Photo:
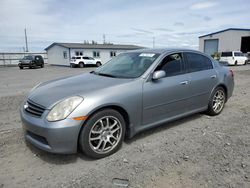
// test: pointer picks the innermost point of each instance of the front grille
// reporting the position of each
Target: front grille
(34, 109)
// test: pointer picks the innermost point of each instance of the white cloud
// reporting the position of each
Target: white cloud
(203, 5)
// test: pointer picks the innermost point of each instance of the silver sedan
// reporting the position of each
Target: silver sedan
(134, 91)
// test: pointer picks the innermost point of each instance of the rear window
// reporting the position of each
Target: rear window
(226, 54)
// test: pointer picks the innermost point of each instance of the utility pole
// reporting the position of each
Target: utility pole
(26, 41)
(153, 42)
(104, 38)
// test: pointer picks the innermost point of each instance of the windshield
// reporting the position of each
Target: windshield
(28, 57)
(127, 65)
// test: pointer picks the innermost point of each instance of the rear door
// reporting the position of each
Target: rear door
(203, 78)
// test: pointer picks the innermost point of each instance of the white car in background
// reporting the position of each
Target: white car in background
(248, 57)
(82, 61)
(234, 58)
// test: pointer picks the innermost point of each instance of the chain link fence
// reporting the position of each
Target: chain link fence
(12, 58)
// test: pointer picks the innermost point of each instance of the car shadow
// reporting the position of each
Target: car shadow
(58, 159)
(163, 127)
(61, 159)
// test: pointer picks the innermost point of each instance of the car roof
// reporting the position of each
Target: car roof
(164, 50)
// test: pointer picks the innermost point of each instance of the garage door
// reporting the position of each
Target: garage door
(211, 46)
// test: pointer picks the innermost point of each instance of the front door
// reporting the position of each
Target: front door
(168, 96)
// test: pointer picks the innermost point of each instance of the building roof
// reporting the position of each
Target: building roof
(235, 29)
(95, 46)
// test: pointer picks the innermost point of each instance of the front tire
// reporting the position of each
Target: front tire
(217, 101)
(20, 67)
(103, 134)
(81, 64)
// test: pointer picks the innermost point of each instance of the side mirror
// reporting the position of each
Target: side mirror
(158, 75)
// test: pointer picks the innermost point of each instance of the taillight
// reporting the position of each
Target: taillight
(231, 72)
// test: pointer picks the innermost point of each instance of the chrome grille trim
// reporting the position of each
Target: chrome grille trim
(34, 109)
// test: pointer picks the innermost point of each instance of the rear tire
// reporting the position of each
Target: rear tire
(216, 102)
(42, 65)
(102, 134)
(235, 63)
(81, 64)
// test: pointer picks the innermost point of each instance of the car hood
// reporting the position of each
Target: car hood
(49, 93)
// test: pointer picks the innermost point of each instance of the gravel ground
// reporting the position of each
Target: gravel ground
(197, 151)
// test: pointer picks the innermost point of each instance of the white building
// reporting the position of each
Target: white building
(61, 53)
(232, 39)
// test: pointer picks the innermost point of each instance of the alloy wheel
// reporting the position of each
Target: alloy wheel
(105, 134)
(218, 101)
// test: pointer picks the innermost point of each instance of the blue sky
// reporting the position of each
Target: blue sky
(172, 23)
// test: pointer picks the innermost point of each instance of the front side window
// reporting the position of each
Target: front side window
(127, 65)
(172, 64)
(238, 54)
(198, 62)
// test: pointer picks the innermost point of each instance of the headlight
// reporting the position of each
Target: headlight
(63, 109)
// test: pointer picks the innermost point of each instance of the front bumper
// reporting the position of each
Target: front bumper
(55, 137)
(26, 64)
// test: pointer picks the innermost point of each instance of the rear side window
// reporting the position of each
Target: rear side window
(226, 54)
(237, 54)
(78, 57)
(197, 62)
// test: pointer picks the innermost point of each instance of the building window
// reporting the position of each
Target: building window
(96, 54)
(78, 53)
(112, 54)
(65, 56)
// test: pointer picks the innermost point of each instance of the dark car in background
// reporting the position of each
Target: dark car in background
(31, 61)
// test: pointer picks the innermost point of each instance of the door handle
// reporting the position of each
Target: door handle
(213, 76)
(184, 82)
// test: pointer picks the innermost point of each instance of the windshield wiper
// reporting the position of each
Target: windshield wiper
(103, 74)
